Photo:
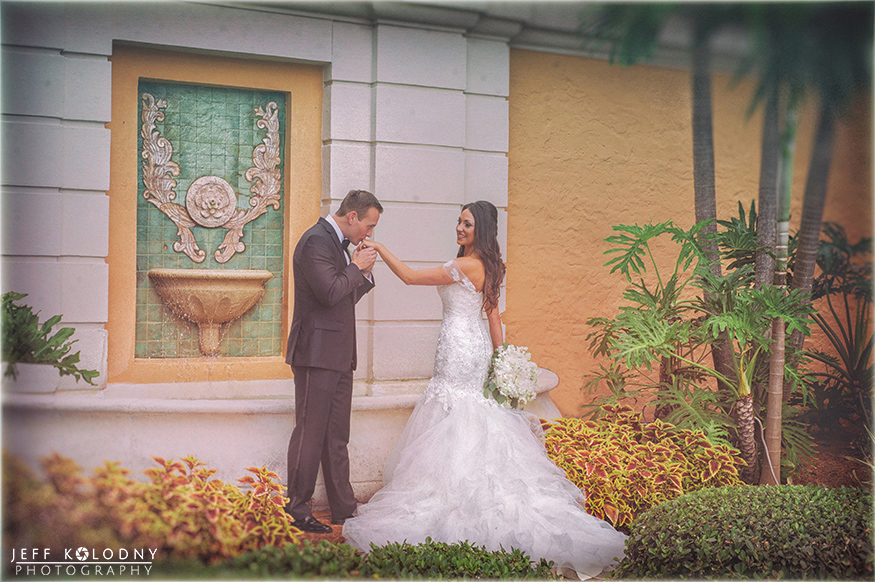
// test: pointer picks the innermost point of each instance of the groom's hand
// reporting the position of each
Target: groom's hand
(364, 257)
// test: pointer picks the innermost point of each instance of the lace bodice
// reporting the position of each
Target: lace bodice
(464, 346)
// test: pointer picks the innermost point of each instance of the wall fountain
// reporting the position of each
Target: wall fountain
(211, 128)
(211, 298)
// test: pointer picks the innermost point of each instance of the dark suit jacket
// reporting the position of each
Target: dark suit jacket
(326, 291)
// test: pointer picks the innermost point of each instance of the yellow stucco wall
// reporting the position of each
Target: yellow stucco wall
(594, 145)
(302, 187)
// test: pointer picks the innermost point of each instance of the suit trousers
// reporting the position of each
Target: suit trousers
(323, 401)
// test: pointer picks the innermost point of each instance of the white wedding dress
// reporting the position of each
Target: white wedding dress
(467, 469)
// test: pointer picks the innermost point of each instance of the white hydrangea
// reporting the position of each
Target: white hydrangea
(513, 377)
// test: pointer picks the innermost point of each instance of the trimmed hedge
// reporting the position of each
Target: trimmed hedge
(325, 560)
(798, 532)
(432, 560)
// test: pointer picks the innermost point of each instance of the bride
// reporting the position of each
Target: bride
(465, 468)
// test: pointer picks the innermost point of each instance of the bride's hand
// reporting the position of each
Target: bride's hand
(379, 247)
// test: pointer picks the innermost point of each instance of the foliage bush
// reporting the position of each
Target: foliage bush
(432, 560)
(426, 561)
(26, 341)
(322, 559)
(843, 388)
(656, 349)
(785, 531)
(207, 529)
(626, 466)
(181, 512)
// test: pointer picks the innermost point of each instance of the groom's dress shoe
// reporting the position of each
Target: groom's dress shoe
(312, 525)
(339, 520)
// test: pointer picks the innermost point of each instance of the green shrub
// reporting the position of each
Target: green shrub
(427, 561)
(432, 560)
(755, 532)
(626, 466)
(322, 559)
(26, 341)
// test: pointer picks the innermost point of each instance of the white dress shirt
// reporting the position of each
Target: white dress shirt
(339, 233)
(333, 223)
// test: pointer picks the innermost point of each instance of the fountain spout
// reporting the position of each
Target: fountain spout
(211, 298)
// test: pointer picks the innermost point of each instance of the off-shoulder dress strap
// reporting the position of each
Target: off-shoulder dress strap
(455, 272)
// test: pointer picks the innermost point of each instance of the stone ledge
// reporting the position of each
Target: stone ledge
(391, 396)
(91, 403)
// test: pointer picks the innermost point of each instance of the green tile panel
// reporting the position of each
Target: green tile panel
(213, 132)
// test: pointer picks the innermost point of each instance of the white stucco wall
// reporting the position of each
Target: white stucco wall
(418, 115)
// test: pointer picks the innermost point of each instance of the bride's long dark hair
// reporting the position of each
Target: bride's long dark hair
(486, 246)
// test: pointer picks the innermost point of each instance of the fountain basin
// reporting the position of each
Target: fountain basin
(210, 298)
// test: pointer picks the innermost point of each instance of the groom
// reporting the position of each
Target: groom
(322, 354)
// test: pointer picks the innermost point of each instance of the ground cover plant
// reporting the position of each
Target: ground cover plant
(625, 466)
(785, 531)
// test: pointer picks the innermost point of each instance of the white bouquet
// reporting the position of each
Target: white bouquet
(513, 377)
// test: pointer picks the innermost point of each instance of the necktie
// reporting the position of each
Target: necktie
(345, 244)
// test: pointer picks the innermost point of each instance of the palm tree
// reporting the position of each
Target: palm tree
(633, 32)
(797, 48)
(837, 59)
(819, 50)
(775, 32)
(706, 21)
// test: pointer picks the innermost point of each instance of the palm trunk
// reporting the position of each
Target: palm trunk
(745, 419)
(765, 267)
(812, 209)
(775, 401)
(703, 146)
(775, 404)
(768, 193)
(704, 184)
(747, 439)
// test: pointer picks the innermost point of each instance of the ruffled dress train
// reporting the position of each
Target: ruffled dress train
(467, 469)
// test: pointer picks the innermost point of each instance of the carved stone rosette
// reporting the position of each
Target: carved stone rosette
(210, 200)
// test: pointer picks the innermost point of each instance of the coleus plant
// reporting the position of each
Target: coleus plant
(182, 511)
(626, 466)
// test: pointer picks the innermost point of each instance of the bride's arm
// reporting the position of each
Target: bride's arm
(432, 276)
(495, 332)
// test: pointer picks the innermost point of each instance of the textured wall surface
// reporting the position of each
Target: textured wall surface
(594, 145)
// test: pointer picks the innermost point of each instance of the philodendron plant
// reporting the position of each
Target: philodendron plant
(27, 341)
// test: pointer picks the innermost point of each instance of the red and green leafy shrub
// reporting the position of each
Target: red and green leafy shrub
(54, 514)
(181, 512)
(626, 466)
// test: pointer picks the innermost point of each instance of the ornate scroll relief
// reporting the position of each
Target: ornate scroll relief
(159, 185)
(210, 201)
